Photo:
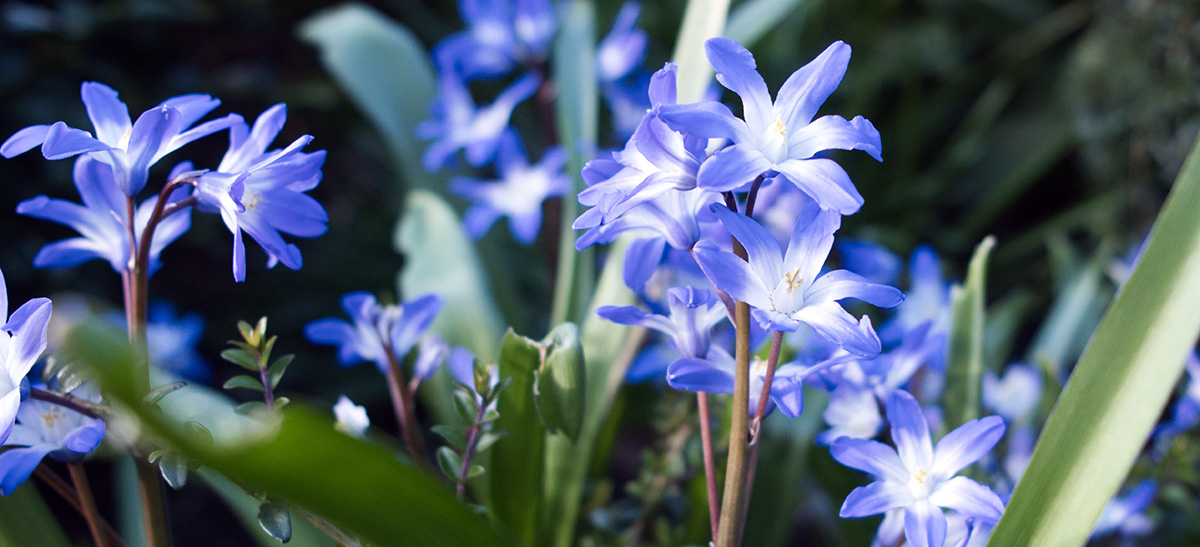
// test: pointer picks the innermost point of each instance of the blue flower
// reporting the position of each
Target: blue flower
(1016, 395)
(785, 290)
(498, 38)
(22, 342)
(261, 192)
(919, 477)
(694, 313)
(1123, 514)
(518, 193)
(458, 124)
(172, 341)
(715, 374)
(351, 419)
(130, 148)
(623, 48)
(778, 136)
(375, 330)
(102, 221)
(927, 301)
(46, 429)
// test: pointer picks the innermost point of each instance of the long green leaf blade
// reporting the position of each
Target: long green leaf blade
(965, 363)
(361, 488)
(1119, 386)
(515, 474)
(384, 70)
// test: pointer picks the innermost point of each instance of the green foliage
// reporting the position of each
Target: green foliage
(964, 366)
(360, 488)
(559, 383)
(1118, 388)
(515, 474)
(275, 520)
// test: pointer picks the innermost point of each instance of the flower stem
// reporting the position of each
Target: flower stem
(402, 403)
(88, 503)
(136, 282)
(710, 466)
(87, 408)
(68, 495)
(469, 452)
(734, 498)
(759, 415)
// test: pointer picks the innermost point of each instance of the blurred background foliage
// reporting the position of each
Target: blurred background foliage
(1056, 126)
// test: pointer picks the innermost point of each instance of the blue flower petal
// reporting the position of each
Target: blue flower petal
(731, 168)
(875, 498)
(17, 464)
(737, 71)
(699, 375)
(876, 458)
(834, 132)
(909, 431)
(967, 496)
(110, 116)
(825, 182)
(966, 445)
(840, 284)
(709, 119)
(641, 259)
(731, 274)
(806, 89)
(924, 524)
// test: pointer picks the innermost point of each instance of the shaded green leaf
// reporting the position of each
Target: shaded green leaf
(159, 392)
(240, 358)
(515, 483)
(1119, 387)
(453, 435)
(251, 408)
(358, 487)
(964, 366)
(559, 383)
(278, 368)
(174, 468)
(450, 462)
(244, 382)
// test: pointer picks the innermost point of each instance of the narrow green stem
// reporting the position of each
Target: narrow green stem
(710, 466)
(759, 415)
(736, 467)
(88, 504)
(68, 495)
(469, 451)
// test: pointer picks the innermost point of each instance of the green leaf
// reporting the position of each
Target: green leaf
(252, 408)
(248, 333)
(456, 436)
(1119, 387)
(702, 19)
(754, 19)
(441, 260)
(465, 405)
(281, 402)
(199, 432)
(964, 366)
(275, 520)
(515, 484)
(450, 462)
(278, 368)
(558, 386)
(577, 109)
(174, 469)
(473, 471)
(245, 508)
(358, 487)
(159, 392)
(384, 70)
(240, 358)
(244, 382)
(486, 440)
(26, 520)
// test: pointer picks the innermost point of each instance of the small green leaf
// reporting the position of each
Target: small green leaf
(487, 439)
(465, 405)
(244, 382)
(453, 435)
(275, 520)
(278, 368)
(240, 358)
(474, 471)
(154, 456)
(252, 408)
(965, 362)
(199, 432)
(450, 462)
(490, 416)
(265, 356)
(174, 468)
(159, 392)
(281, 402)
(247, 332)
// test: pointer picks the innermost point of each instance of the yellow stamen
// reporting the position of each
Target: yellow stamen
(793, 279)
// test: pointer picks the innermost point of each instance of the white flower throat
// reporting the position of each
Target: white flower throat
(775, 143)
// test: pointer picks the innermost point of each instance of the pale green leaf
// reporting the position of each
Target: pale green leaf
(964, 366)
(1119, 387)
(702, 19)
(752, 20)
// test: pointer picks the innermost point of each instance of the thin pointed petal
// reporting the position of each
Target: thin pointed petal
(966, 445)
(876, 458)
(110, 116)
(825, 182)
(731, 168)
(731, 274)
(737, 71)
(840, 284)
(924, 524)
(967, 496)
(909, 431)
(875, 498)
(806, 89)
(835, 133)
(710, 120)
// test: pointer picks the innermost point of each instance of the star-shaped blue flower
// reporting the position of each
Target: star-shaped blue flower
(129, 147)
(21, 343)
(918, 476)
(518, 193)
(781, 135)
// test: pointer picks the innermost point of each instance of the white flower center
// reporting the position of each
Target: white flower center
(51, 416)
(920, 484)
(250, 199)
(774, 141)
(124, 142)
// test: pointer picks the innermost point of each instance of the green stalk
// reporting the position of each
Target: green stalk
(737, 467)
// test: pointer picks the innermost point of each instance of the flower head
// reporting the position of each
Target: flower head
(777, 136)
(787, 289)
(102, 221)
(499, 37)
(261, 192)
(130, 148)
(518, 193)
(46, 429)
(458, 124)
(21, 343)
(918, 476)
(377, 333)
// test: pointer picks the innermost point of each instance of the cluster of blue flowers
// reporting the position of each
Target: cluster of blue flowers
(510, 42)
(694, 176)
(255, 189)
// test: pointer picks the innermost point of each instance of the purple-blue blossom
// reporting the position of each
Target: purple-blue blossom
(46, 429)
(500, 36)
(102, 221)
(778, 136)
(517, 195)
(130, 148)
(21, 344)
(787, 289)
(693, 314)
(262, 192)
(375, 332)
(458, 124)
(1015, 395)
(919, 477)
